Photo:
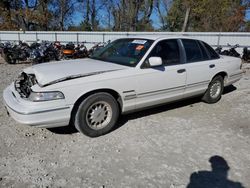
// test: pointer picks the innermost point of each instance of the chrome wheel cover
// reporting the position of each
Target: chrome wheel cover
(99, 115)
(215, 89)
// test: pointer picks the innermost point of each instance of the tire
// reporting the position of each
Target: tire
(214, 90)
(96, 115)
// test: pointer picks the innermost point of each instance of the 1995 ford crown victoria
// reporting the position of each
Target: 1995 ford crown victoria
(127, 75)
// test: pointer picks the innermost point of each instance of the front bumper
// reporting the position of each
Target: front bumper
(40, 114)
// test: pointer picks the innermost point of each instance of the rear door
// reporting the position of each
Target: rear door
(200, 67)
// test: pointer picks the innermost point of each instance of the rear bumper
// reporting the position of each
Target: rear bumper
(36, 113)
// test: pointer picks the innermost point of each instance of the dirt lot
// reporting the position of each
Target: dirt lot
(160, 147)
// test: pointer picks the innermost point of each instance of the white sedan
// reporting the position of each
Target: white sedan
(128, 74)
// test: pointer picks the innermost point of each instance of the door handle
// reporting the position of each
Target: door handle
(212, 66)
(181, 70)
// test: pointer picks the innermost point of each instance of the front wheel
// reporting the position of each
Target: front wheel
(97, 114)
(214, 90)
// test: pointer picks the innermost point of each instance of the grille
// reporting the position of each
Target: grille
(24, 83)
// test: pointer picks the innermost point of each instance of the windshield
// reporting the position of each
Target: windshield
(126, 52)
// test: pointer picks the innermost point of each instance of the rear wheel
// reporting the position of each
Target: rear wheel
(97, 115)
(215, 90)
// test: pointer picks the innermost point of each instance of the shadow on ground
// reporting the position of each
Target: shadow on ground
(70, 129)
(216, 178)
(229, 89)
(151, 111)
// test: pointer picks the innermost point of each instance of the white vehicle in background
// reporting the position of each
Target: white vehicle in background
(128, 74)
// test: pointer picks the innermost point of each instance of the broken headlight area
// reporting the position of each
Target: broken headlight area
(24, 83)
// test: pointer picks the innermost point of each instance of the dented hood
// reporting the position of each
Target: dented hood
(53, 72)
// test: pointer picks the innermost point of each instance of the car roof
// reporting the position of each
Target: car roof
(158, 37)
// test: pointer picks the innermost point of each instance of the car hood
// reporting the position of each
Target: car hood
(54, 72)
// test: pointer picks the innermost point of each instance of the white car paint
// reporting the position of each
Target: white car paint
(59, 70)
(138, 88)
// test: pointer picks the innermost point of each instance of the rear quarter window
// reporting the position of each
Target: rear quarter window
(203, 51)
(212, 53)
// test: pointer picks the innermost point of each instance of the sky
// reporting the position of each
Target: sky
(248, 14)
(78, 17)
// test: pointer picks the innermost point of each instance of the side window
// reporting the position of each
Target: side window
(203, 51)
(211, 51)
(193, 51)
(168, 50)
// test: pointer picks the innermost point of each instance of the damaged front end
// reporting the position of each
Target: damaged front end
(24, 83)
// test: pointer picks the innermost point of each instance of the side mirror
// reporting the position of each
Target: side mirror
(155, 61)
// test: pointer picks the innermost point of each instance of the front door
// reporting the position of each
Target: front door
(157, 85)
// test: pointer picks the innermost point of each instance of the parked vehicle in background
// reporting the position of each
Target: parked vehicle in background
(44, 52)
(98, 46)
(13, 53)
(72, 51)
(230, 52)
(127, 75)
(218, 50)
(58, 47)
(80, 51)
(246, 54)
(37, 52)
(68, 50)
(1, 48)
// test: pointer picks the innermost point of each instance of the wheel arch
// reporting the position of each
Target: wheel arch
(112, 92)
(223, 74)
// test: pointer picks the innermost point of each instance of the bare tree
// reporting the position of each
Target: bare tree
(162, 7)
(63, 10)
(45, 21)
(91, 10)
(108, 6)
(132, 15)
(147, 9)
(5, 14)
(28, 15)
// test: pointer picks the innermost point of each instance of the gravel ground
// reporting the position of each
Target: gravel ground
(160, 147)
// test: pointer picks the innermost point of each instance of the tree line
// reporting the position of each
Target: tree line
(125, 15)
